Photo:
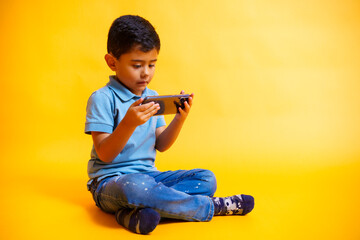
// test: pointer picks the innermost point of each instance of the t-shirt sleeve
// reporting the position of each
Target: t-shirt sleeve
(99, 114)
(160, 121)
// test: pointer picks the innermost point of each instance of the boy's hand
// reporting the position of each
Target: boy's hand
(184, 112)
(139, 114)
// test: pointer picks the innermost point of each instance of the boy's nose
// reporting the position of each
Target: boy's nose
(145, 72)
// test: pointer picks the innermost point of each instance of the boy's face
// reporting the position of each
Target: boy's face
(136, 68)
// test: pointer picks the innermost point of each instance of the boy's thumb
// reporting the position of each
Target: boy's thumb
(137, 102)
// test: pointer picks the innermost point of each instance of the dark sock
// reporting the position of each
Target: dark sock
(138, 220)
(234, 205)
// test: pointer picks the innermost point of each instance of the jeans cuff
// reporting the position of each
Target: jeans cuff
(212, 209)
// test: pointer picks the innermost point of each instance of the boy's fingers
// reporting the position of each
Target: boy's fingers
(190, 98)
(190, 101)
(150, 113)
(187, 106)
(151, 109)
(154, 111)
(137, 102)
(145, 106)
(181, 111)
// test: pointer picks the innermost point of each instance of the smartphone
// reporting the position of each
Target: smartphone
(169, 104)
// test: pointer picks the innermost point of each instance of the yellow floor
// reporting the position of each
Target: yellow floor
(317, 203)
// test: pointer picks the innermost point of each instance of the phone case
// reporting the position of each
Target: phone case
(169, 104)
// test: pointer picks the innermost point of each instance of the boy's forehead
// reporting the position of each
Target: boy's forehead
(137, 54)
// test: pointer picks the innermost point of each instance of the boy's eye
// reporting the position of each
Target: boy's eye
(136, 66)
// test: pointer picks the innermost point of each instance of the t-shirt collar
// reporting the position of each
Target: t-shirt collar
(123, 93)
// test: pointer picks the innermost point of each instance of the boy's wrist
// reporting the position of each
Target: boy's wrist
(179, 118)
(128, 124)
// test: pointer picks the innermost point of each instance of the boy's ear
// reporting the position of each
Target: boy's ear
(110, 60)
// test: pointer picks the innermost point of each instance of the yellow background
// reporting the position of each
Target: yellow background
(276, 113)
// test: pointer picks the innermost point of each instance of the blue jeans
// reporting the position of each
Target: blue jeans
(174, 194)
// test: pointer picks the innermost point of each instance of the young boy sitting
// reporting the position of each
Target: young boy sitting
(126, 135)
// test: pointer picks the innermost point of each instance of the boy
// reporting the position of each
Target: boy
(126, 135)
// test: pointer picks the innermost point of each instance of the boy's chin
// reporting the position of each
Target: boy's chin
(138, 91)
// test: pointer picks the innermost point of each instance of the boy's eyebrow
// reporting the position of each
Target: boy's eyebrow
(138, 60)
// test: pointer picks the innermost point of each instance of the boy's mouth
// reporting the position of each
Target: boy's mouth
(142, 83)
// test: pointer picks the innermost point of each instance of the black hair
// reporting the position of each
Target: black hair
(128, 31)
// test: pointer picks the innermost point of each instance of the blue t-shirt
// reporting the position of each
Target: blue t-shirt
(105, 109)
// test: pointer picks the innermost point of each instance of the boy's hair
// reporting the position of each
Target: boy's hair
(128, 31)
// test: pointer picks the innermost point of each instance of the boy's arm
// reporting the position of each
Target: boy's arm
(166, 136)
(107, 145)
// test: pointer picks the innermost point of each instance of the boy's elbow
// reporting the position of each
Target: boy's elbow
(105, 158)
(103, 155)
(161, 149)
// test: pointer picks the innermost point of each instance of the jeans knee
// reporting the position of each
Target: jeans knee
(122, 191)
(210, 179)
(135, 179)
(133, 183)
